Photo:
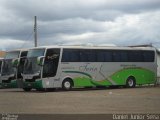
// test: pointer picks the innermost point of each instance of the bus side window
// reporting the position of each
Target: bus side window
(148, 56)
(108, 56)
(24, 53)
(136, 56)
(120, 56)
(83, 56)
(87, 55)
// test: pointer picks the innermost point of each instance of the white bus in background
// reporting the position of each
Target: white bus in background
(12, 67)
(89, 66)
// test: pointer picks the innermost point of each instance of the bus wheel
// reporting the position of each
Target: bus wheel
(27, 89)
(67, 84)
(131, 82)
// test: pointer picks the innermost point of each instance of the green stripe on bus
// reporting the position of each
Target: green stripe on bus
(87, 81)
(36, 84)
(84, 81)
(142, 76)
(14, 84)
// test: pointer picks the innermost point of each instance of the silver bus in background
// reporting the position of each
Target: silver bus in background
(12, 67)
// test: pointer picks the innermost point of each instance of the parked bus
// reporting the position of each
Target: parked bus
(85, 66)
(12, 67)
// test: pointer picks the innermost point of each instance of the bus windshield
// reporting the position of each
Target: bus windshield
(35, 52)
(12, 54)
(31, 66)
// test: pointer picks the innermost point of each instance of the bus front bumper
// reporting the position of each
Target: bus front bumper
(36, 84)
(11, 84)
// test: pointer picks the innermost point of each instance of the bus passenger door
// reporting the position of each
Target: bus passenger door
(50, 66)
(21, 68)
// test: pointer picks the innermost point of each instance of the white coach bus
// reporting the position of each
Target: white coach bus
(12, 67)
(89, 66)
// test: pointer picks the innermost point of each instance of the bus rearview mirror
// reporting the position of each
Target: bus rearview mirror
(15, 62)
(40, 60)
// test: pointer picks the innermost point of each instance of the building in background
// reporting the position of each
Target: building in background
(2, 53)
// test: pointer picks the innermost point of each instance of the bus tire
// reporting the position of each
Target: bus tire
(27, 89)
(131, 82)
(67, 84)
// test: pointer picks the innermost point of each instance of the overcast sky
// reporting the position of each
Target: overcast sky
(120, 22)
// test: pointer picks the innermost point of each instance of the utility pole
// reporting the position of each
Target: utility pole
(35, 31)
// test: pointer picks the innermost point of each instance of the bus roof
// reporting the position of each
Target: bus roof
(96, 47)
(18, 50)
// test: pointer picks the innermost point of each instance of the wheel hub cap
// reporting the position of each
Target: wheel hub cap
(67, 84)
